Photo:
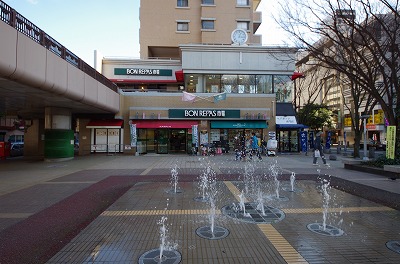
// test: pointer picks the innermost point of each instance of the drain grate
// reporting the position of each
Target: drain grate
(394, 245)
(328, 231)
(254, 214)
(219, 232)
(153, 256)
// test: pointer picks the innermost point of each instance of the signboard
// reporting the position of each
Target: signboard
(142, 71)
(133, 135)
(195, 135)
(303, 141)
(203, 113)
(281, 120)
(391, 141)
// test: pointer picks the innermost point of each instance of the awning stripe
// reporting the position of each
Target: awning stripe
(164, 123)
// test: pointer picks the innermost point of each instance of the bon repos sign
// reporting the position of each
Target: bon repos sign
(203, 113)
(142, 71)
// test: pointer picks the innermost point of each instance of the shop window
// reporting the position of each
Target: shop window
(213, 83)
(229, 83)
(264, 84)
(283, 88)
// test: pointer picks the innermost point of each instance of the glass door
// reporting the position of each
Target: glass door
(161, 141)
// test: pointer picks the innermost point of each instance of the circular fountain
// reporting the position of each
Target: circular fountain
(252, 213)
(153, 256)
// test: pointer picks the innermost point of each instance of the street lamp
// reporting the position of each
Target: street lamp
(364, 118)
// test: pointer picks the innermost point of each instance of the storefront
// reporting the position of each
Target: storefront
(106, 136)
(163, 136)
(287, 129)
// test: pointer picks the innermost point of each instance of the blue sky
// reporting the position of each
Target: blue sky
(109, 26)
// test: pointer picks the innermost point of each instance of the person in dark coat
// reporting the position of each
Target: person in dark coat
(318, 146)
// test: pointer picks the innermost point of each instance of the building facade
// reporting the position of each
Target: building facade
(212, 95)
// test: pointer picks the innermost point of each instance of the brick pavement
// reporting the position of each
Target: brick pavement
(128, 227)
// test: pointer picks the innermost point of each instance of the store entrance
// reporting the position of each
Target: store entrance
(288, 141)
(177, 141)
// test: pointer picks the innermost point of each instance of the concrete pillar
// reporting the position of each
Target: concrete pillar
(59, 137)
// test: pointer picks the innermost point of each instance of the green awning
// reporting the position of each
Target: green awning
(240, 124)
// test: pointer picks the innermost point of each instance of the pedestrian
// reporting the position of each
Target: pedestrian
(318, 149)
(255, 147)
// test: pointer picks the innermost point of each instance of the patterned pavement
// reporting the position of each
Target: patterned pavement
(107, 209)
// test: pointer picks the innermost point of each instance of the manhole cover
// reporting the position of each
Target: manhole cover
(201, 199)
(153, 256)
(219, 232)
(328, 231)
(394, 246)
(254, 213)
(173, 191)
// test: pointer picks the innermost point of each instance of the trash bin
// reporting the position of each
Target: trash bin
(371, 152)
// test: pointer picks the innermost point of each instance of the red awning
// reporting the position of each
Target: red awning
(179, 76)
(114, 123)
(297, 75)
(164, 123)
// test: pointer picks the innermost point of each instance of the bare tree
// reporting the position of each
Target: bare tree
(358, 39)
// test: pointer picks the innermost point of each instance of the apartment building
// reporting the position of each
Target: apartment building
(203, 78)
(164, 25)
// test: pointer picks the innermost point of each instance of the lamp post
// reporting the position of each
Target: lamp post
(364, 118)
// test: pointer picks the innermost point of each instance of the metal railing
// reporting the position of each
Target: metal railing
(23, 25)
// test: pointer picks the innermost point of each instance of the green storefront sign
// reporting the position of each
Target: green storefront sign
(142, 71)
(203, 113)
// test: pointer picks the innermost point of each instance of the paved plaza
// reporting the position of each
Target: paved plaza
(117, 208)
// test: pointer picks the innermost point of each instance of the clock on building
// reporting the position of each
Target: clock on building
(239, 36)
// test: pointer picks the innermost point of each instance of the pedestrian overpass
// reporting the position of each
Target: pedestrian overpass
(47, 86)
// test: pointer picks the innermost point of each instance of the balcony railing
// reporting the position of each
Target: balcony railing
(23, 25)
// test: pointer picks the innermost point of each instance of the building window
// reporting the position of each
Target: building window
(182, 3)
(207, 2)
(182, 26)
(243, 25)
(243, 2)
(207, 24)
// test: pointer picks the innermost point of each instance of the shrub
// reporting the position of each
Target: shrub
(382, 160)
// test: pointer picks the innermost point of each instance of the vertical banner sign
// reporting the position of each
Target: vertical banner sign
(133, 135)
(328, 140)
(311, 139)
(391, 141)
(303, 141)
(195, 135)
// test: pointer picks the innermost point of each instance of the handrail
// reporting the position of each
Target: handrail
(11, 17)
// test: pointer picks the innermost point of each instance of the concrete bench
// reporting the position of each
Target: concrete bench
(351, 161)
(392, 168)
